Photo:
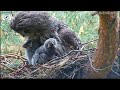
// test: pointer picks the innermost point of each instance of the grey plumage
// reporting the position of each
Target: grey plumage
(44, 53)
(48, 51)
(38, 26)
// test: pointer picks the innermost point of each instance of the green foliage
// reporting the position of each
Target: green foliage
(81, 22)
(8, 37)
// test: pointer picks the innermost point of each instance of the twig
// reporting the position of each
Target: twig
(66, 54)
(2, 57)
(18, 70)
(118, 66)
(74, 50)
(64, 74)
(115, 72)
(90, 41)
(34, 70)
(97, 69)
(94, 13)
(81, 49)
(27, 74)
(7, 67)
(12, 14)
(75, 72)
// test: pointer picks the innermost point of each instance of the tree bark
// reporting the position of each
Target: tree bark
(107, 45)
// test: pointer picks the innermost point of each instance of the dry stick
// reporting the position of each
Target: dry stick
(118, 66)
(80, 50)
(35, 70)
(115, 72)
(13, 56)
(27, 70)
(20, 57)
(74, 50)
(12, 14)
(7, 67)
(64, 73)
(73, 61)
(75, 72)
(100, 69)
(97, 69)
(46, 67)
(27, 74)
(9, 55)
(94, 13)
(70, 52)
(90, 41)
(67, 54)
(39, 68)
(18, 70)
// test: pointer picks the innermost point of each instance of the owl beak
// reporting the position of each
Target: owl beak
(50, 45)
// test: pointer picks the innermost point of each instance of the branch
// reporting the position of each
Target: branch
(94, 13)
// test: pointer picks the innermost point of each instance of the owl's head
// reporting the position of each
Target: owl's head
(50, 43)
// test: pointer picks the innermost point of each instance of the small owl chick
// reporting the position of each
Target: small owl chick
(47, 51)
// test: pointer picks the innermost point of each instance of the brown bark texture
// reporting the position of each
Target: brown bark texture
(107, 45)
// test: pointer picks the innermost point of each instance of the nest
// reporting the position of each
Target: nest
(73, 65)
(62, 67)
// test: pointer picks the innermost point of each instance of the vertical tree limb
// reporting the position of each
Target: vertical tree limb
(107, 45)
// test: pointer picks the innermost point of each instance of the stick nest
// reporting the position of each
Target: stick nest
(73, 65)
(62, 67)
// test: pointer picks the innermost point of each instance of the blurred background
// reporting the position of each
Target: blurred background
(82, 23)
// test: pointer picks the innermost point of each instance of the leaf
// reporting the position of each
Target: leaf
(81, 30)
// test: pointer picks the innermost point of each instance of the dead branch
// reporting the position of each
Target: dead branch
(51, 68)
(94, 13)
(7, 67)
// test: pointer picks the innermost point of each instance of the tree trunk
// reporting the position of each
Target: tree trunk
(107, 45)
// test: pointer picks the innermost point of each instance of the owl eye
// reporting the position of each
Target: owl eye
(26, 31)
(52, 31)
